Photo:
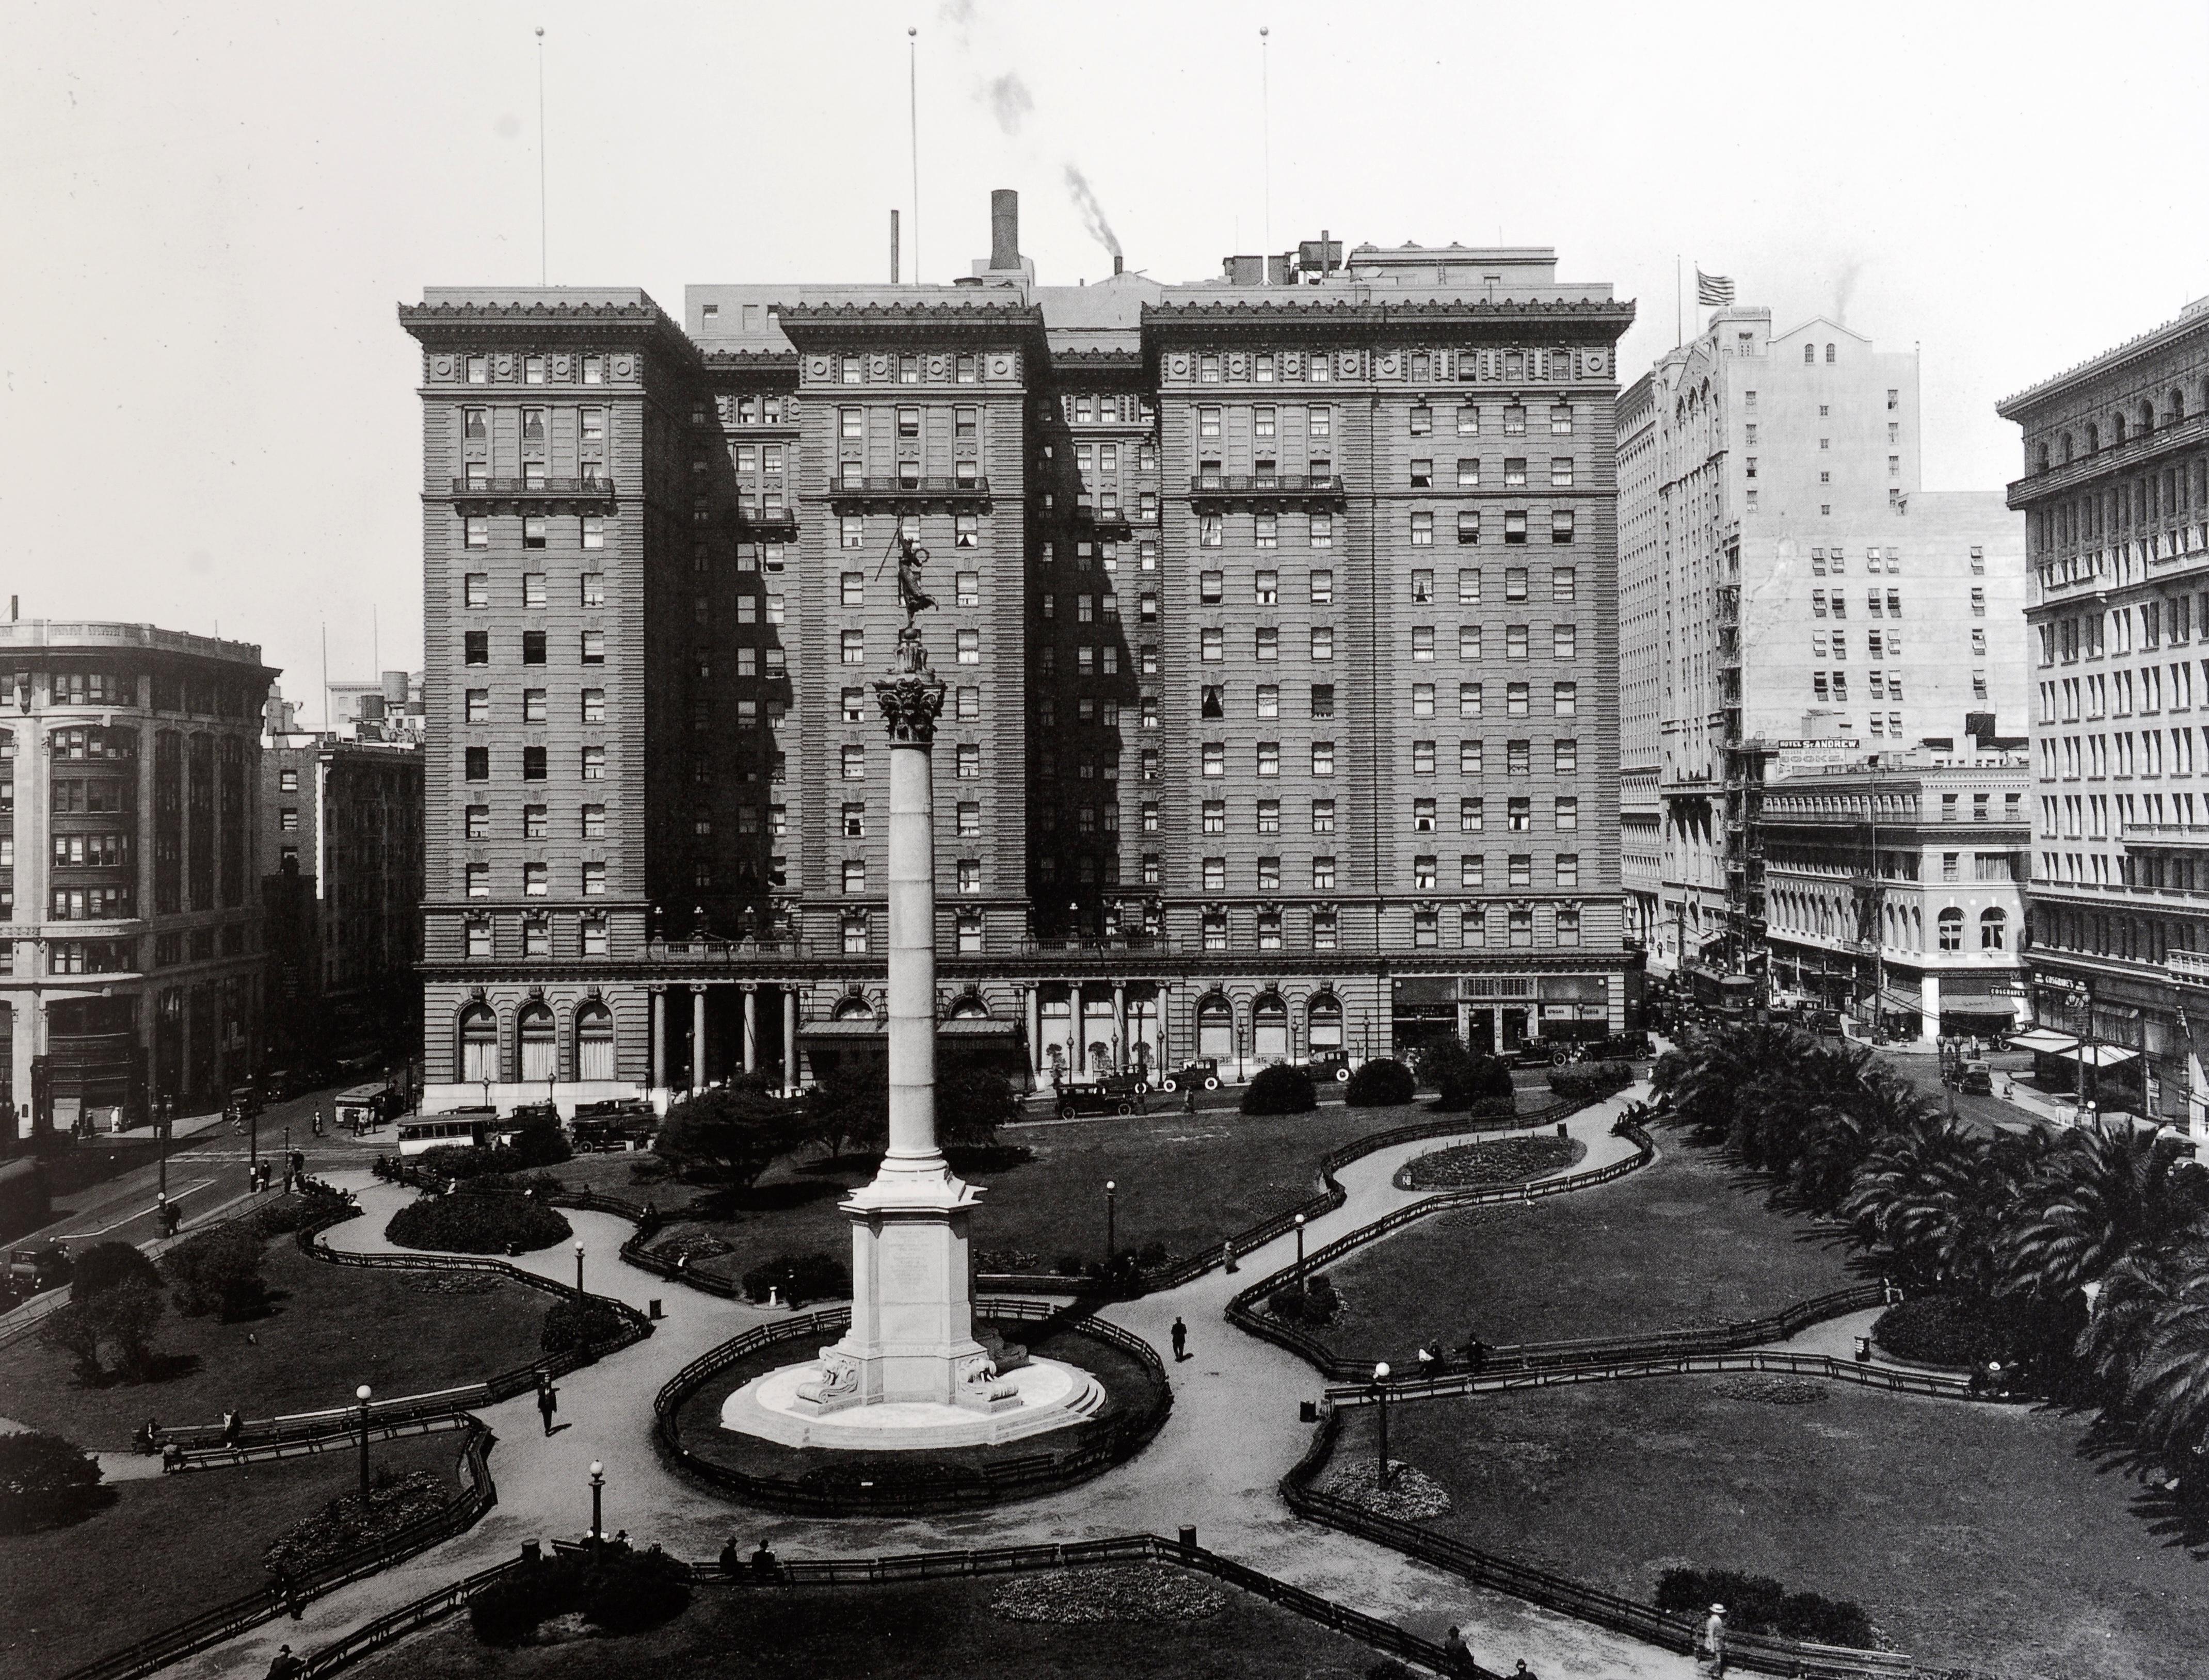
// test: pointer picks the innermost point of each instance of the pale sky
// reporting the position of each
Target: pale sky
(208, 410)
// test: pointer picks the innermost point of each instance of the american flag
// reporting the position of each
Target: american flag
(1713, 291)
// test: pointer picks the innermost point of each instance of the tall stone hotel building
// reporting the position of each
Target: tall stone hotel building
(1787, 587)
(1277, 611)
(129, 893)
(2116, 495)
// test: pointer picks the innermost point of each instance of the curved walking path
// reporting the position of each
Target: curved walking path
(1233, 1434)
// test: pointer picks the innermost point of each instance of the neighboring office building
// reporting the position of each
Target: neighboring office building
(1242, 759)
(341, 826)
(2116, 497)
(129, 926)
(1784, 579)
(1935, 931)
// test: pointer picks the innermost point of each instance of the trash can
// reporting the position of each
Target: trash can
(531, 1551)
(652, 1308)
(1561, 1129)
(1307, 1411)
(1863, 1350)
(1188, 1537)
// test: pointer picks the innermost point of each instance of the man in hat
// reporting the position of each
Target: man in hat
(1713, 1641)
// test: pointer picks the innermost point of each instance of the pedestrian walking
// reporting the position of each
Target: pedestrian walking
(285, 1665)
(1227, 1255)
(1180, 1341)
(1430, 1358)
(1455, 1649)
(1523, 1672)
(548, 1401)
(1713, 1640)
(1189, 1102)
(233, 1429)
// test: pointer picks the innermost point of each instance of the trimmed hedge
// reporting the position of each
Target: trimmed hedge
(103, 1265)
(1758, 1603)
(801, 1278)
(217, 1270)
(1281, 1089)
(1316, 1304)
(476, 1225)
(1590, 1082)
(1381, 1083)
(621, 1591)
(1956, 1331)
(568, 1326)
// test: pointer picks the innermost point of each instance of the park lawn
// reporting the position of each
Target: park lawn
(1976, 1536)
(1186, 1182)
(917, 1631)
(1681, 1244)
(168, 1549)
(332, 1328)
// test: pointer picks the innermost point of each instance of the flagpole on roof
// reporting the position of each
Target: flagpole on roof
(1679, 333)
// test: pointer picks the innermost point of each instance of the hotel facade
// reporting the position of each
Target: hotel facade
(1278, 613)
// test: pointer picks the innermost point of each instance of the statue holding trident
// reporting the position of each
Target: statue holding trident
(911, 657)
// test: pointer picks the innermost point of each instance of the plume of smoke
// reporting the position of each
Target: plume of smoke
(1845, 287)
(1008, 99)
(959, 14)
(1093, 212)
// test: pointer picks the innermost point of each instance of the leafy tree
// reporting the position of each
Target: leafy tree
(851, 1109)
(217, 1270)
(110, 1334)
(1460, 1077)
(1380, 1083)
(969, 1108)
(730, 1134)
(1282, 1089)
(103, 1265)
(44, 1481)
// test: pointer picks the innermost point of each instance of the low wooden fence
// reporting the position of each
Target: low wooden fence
(801, 1573)
(1243, 1311)
(1891, 1379)
(172, 1645)
(832, 1491)
(1766, 1655)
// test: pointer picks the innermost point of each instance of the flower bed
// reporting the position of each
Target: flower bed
(1145, 1593)
(1507, 1161)
(477, 1224)
(1411, 1496)
(344, 1526)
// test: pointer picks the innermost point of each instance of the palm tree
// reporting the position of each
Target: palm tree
(2097, 1197)
(1931, 1198)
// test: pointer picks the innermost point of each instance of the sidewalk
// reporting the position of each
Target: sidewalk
(1232, 1435)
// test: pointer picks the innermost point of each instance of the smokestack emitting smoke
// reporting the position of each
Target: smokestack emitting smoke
(1004, 228)
(1845, 288)
(1008, 99)
(1092, 213)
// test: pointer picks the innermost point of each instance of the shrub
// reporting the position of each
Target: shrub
(109, 1332)
(731, 1135)
(516, 1184)
(538, 1143)
(44, 1482)
(971, 1106)
(476, 1225)
(218, 1271)
(1590, 1082)
(622, 1592)
(1460, 1075)
(1316, 1304)
(570, 1327)
(103, 1265)
(1758, 1603)
(1381, 1083)
(801, 1278)
(1948, 1330)
(1280, 1089)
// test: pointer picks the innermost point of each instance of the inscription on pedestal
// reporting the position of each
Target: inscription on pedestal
(904, 1260)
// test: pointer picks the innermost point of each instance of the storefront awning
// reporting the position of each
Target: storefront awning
(1980, 1004)
(863, 1027)
(857, 1027)
(2098, 1055)
(2043, 1041)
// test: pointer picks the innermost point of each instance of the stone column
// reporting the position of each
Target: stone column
(1120, 1026)
(1035, 1036)
(697, 1038)
(911, 705)
(1076, 1050)
(1928, 1007)
(659, 1072)
(751, 1026)
(1162, 1062)
(790, 1041)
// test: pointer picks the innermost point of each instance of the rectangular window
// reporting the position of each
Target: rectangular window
(594, 647)
(1468, 525)
(1268, 642)
(854, 644)
(1322, 642)
(1422, 816)
(1423, 530)
(1564, 638)
(970, 760)
(1322, 758)
(1423, 757)
(1560, 525)
(594, 764)
(478, 764)
(1423, 643)
(1269, 758)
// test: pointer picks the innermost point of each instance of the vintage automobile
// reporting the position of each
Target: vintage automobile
(1100, 1097)
(1201, 1075)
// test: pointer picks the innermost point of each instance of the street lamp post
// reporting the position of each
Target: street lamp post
(164, 1112)
(1300, 1254)
(361, 1394)
(1381, 1392)
(578, 1272)
(1112, 1222)
(598, 1490)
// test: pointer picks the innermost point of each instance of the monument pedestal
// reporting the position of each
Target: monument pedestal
(912, 1310)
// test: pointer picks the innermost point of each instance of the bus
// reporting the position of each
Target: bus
(460, 1128)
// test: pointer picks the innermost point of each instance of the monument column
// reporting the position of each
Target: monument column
(658, 1038)
(1077, 1048)
(697, 1039)
(1035, 1036)
(1119, 1026)
(751, 1026)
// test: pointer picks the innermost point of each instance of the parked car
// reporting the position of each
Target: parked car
(1976, 1078)
(1097, 1097)
(614, 1125)
(1202, 1074)
(1538, 1052)
(1330, 1065)
(1133, 1080)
